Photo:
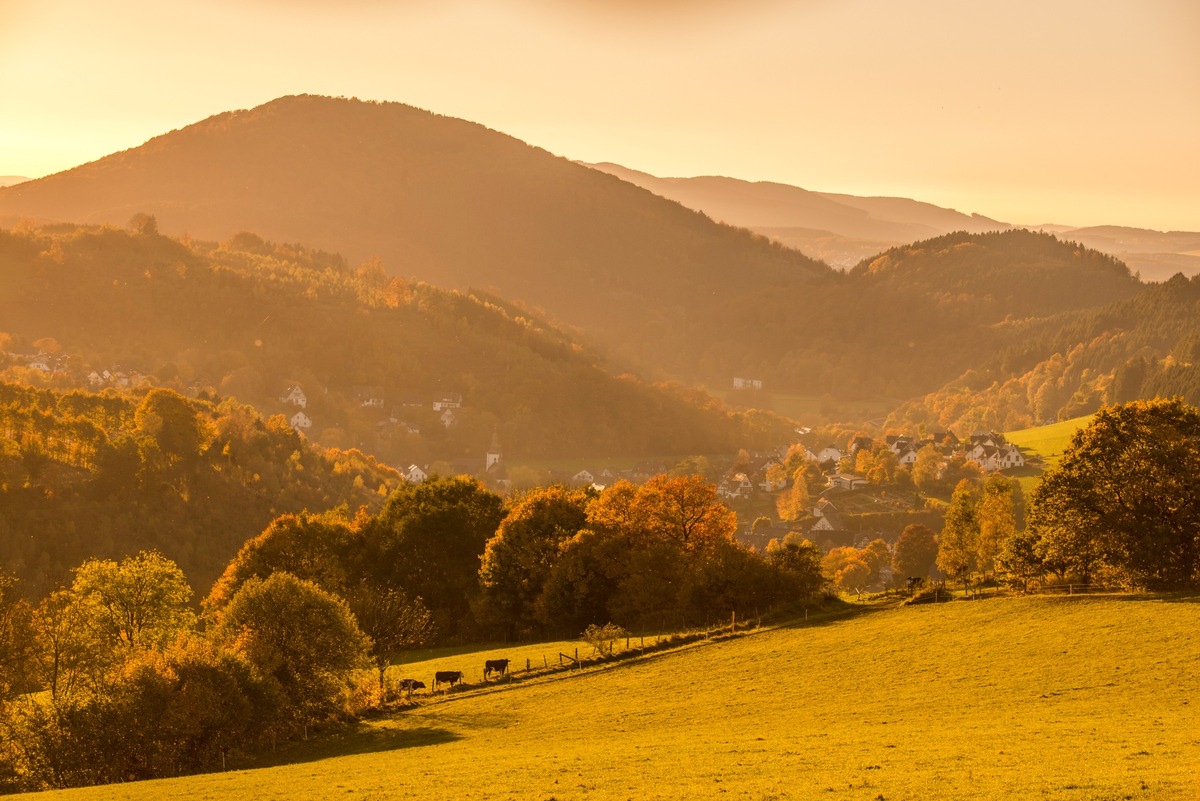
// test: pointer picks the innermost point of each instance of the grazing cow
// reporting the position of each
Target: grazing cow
(408, 685)
(450, 677)
(495, 666)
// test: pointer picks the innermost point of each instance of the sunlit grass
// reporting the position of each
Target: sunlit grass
(1048, 698)
(1046, 445)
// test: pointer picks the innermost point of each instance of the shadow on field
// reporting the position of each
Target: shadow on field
(356, 739)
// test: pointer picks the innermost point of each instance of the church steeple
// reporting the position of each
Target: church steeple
(494, 456)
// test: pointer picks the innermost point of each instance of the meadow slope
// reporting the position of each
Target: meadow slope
(1065, 698)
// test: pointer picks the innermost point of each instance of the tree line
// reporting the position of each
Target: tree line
(117, 676)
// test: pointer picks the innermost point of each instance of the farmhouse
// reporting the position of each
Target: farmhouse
(294, 395)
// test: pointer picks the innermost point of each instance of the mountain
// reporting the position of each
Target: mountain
(1156, 255)
(438, 199)
(841, 229)
(11, 180)
(249, 318)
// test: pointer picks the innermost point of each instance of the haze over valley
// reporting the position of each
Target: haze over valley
(380, 416)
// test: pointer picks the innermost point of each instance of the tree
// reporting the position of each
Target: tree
(846, 569)
(1019, 559)
(793, 503)
(927, 469)
(319, 548)
(997, 519)
(916, 551)
(301, 637)
(18, 639)
(519, 558)
(174, 423)
(428, 541)
(142, 602)
(958, 547)
(1125, 496)
(685, 509)
(394, 622)
(876, 555)
(800, 563)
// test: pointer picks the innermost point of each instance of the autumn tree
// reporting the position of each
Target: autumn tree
(958, 546)
(303, 638)
(915, 552)
(927, 469)
(395, 623)
(142, 601)
(793, 503)
(997, 519)
(1125, 496)
(518, 559)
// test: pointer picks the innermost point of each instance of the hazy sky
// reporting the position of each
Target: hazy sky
(1079, 112)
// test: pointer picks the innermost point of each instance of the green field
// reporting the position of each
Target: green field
(1045, 444)
(1038, 698)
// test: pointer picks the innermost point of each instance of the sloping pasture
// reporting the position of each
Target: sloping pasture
(1040, 698)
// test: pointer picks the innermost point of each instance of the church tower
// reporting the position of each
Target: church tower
(493, 455)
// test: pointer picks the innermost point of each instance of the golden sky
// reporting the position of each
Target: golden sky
(1075, 111)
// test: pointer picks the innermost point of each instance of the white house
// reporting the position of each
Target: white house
(369, 396)
(447, 417)
(452, 400)
(294, 395)
(747, 383)
(829, 453)
(583, 478)
(415, 475)
(301, 421)
(847, 481)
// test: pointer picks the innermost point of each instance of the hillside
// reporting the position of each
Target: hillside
(437, 199)
(249, 318)
(86, 475)
(990, 700)
(1062, 366)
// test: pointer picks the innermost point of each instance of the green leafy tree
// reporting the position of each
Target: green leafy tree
(304, 639)
(428, 541)
(519, 558)
(1125, 496)
(143, 601)
(320, 548)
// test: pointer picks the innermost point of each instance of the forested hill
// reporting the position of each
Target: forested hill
(438, 199)
(86, 475)
(998, 275)
(249, 318)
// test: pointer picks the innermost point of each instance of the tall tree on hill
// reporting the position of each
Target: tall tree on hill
(1125, 493)
(143, 601)
(958, 546)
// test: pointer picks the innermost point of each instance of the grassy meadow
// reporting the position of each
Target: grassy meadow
(1031, 698)
(1046, 444)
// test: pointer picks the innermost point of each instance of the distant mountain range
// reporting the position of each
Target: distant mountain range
(655, 285)
(842, 230)
(11, 180)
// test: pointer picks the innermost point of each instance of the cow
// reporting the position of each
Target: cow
(450, 677)
(495, 666)
(408, 685)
